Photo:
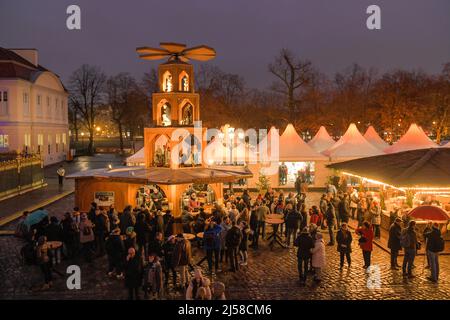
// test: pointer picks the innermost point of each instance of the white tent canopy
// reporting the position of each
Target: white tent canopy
(321, 141)
(372, 136)
(352, 145)
(414, 138)
(293, 148)
(137, 158)
(264, 145)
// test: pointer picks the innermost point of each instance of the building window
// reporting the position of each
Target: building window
(186, 114)
(39, 106)
(49, 144)
(57, 142)
(64, 142)
(4, 141)
(26, 105)
(3, 103)
(40, 141)
(27, 142)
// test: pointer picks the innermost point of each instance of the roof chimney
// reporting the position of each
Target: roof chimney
(31, 55)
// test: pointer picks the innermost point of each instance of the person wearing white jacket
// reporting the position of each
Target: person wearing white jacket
(318, 257)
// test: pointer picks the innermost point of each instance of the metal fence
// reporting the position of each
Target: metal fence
(20, 175)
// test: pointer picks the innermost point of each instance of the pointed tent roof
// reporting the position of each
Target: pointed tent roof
(321, 141)
(265, 155)
(138, 157)
(372, 136)
(414, 138)
(352, 145)
(293, 148)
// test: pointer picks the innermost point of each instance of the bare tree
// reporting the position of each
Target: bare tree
(120, 90)
(86, 86)
(291, 74)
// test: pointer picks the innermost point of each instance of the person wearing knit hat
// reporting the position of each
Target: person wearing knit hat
(115, 250)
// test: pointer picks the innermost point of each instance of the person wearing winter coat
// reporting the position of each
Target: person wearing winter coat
(43, 260)
(53, 232)
(435, 244)
(318, 257)
(354, 200)
(70, 235)
(181, 258)
(344, 209)
(330, 217)
(143, 231)
(366, 242)
(86, 237)
(344, 244)
(233, 239)
(293, 220)
(168, 248)
(168, 224)
(305, 243)
(101, 229)
(197, 282)
(243, 246)
(218, 291)
(113, 217)
(130, 239)
(361, 211)
(127, 219)
(211, 243)
(115, 250)
(410, 248)
(133, 274)
(261, 213)
(156, 245)
(375, 213)
(395, 231)
(153, 278)
(225, 225)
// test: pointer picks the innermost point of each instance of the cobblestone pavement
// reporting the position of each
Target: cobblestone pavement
(269, 275)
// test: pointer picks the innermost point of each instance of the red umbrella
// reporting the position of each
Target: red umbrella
(429, 213)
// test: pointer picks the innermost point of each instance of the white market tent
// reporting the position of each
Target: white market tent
(293, 148)
(372, 136)
(264, 145)
(415, 138)
(136, 159)
(244, 153)
(352, 145)
(321, 141)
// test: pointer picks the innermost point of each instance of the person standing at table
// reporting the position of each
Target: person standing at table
(43, 260)
(261, 214)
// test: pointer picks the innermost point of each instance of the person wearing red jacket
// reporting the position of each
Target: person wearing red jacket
(366, 242)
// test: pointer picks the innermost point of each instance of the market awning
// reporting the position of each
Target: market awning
(167, 176)
(423, 168)
(429, 213)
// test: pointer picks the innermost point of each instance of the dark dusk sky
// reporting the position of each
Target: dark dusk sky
(246, 34)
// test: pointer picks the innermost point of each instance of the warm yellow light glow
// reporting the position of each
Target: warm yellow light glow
(364, 179)
(98, 129)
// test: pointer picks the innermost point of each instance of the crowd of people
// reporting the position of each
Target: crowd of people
(143, 249)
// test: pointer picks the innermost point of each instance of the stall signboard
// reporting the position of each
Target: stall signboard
(104, 198)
